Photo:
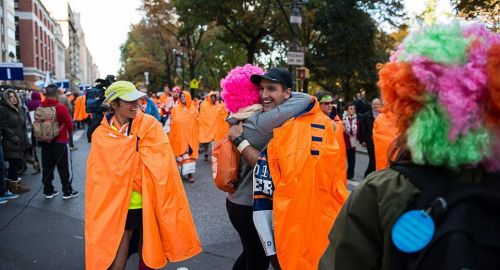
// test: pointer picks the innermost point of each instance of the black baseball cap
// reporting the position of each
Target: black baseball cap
(279, 75)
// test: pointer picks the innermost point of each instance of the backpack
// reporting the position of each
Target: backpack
(45, 126)
(225, 165)
(467, 221)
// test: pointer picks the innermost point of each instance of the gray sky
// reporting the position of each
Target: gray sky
(106, 24)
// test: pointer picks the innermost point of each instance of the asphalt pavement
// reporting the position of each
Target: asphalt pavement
(38, 233)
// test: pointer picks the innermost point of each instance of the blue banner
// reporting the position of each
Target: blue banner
(11, 71)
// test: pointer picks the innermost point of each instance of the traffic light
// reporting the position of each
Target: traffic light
(302, 73)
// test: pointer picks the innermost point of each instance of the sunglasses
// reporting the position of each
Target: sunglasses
(327, 103)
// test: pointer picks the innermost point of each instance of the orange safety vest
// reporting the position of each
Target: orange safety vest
(308, 194)
(384, 133)
(79, 113)
(339, 135)
(117, 162)
(184, 129)
(222, 125)
(208, 119)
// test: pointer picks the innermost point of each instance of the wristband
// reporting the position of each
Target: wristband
(243, 145)
(238, 140)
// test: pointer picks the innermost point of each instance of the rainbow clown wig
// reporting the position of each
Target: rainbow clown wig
(443, 85)
(237, 89)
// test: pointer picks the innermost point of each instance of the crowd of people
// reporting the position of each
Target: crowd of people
(17, 118)
(430, 196)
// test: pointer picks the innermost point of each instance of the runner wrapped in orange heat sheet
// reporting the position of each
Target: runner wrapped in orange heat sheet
(136, 162)
(222, 125)
(208, 118)
(384, 133)
(79, 113)
(184, 134)
(339, 135)
(308, 195)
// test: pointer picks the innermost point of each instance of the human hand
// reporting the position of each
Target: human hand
(235, 131)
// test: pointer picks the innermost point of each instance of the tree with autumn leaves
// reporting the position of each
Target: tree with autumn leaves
(342, 40)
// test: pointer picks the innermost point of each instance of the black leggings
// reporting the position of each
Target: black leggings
(253, 256)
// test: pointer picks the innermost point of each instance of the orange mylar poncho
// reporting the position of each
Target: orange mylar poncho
(222, 125)
(308, 194)
(384, 132)
(208, 119)
(79, 113)
(184, 127)
(341, 166)
(143, 160)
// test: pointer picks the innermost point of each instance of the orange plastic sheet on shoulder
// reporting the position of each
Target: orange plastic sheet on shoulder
(184, 130)
(208, 121)
(79, 113)
(168, 227)
(384, 133)
(308, 193)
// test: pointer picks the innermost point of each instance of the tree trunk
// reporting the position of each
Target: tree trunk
(251, 51)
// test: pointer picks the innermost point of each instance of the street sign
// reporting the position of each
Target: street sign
(295, 58)
(11, 71)
(296, 19)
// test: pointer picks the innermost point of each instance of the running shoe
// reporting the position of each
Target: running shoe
(9, 196)
(51, 195)
(70, 195)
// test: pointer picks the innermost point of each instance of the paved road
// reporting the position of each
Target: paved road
(48, 234)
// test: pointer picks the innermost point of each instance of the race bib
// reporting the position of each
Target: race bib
(263, 190)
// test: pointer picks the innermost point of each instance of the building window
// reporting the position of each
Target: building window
(11, 48)
(10, 17)
(11, 33)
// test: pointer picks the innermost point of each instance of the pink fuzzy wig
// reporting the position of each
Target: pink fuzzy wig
(237, 89)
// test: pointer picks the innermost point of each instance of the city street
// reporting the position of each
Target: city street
(37, 233)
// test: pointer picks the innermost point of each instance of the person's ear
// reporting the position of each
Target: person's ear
(288, 93)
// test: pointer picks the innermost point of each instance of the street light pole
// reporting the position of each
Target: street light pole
(294, 56)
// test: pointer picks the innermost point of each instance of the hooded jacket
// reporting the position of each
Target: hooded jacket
(63, 117)
(143, 161)
(308, 194)
(184, 127)
(13, 125)
(208, 119)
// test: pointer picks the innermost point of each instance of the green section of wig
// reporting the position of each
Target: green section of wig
(443, 44)
(429, 144)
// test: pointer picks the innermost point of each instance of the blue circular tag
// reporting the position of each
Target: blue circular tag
(413, 231)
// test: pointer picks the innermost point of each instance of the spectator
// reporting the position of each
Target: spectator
(5, 194)
(56, 153)
(360, 103)
(366, 133)
(15, 138)
(351, 132)
(437, 206)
